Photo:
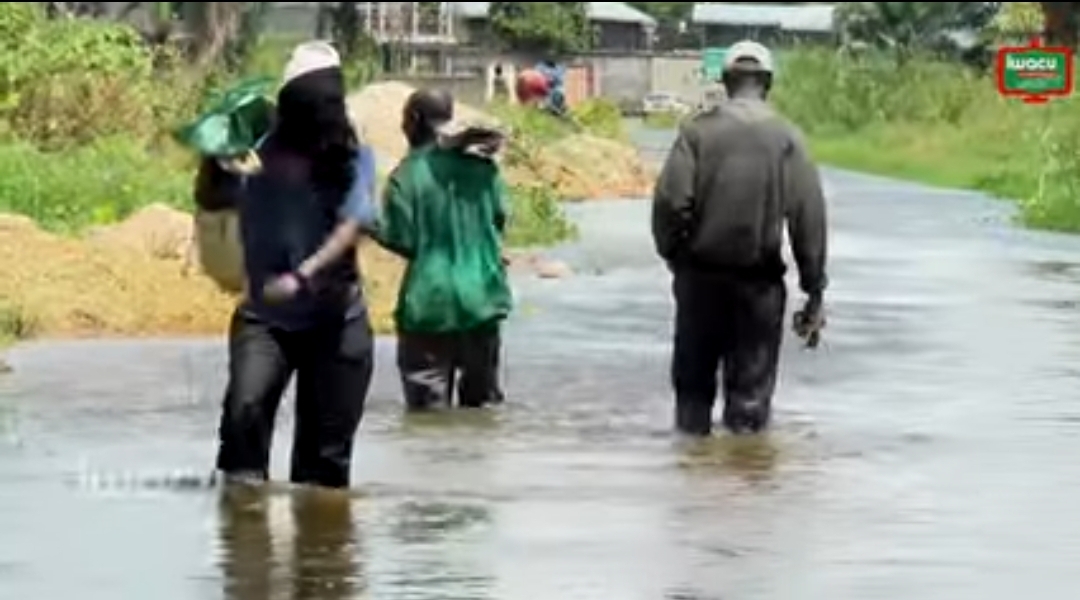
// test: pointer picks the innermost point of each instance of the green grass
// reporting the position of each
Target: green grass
(99, 183)
(940, 124)
(15, 325)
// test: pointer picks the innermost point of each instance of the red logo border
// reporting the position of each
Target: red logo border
(1028, 97)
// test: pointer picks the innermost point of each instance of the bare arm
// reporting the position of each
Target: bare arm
(673, 197)
(807, 219)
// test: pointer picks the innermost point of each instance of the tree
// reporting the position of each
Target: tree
(1016, 22)
(906, 27)
(544, 28)
(1061, 23)
(672, 20)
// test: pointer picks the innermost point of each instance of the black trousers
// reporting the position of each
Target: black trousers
(333, 366)
(727, 323)
(430, 364)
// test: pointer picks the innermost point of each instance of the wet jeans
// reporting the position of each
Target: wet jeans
(333, 366)
(430, 363)
(731, 324)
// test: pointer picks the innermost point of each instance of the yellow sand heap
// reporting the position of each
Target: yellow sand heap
(578, 167)
(133, 278)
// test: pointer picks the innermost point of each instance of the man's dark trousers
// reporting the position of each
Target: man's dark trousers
(430, 364)
(729, 322)
(333, 366)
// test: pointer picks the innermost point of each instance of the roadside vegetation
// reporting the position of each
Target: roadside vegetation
(904, 111)
(941, 124)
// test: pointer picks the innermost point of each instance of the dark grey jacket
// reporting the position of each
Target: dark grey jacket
(735, 175)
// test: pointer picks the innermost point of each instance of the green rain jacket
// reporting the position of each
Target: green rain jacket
(444, 212)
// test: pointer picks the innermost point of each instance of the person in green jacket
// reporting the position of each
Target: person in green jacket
(444, 213)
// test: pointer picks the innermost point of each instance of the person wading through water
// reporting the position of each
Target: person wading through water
(735, 174)
(444, 213)
(301, 216)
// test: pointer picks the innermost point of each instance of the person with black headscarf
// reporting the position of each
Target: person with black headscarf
(301, 216)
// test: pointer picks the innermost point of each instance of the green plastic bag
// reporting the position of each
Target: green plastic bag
(235, 123)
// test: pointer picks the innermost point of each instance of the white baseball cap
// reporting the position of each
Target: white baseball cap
(310, 57)
(740, 53)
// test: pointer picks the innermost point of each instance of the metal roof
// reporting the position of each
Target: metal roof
(809, 17)
(618, 12)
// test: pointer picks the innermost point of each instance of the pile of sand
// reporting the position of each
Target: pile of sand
(377, 111)
(578, 167)
(133, 278)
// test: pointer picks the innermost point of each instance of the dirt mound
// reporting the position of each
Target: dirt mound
(377, 111)
(583, 167)
(579, 167)
(134, 278)
(158, 231)
(70, 286)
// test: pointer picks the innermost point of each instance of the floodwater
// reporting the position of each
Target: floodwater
(925, 451)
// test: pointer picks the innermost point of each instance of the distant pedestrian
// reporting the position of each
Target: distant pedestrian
(300, 218)
(736, 175)
(445, 213)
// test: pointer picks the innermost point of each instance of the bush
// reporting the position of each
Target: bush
(936, 122)
(90, 185)
(599, 117)
(536, 218)
(15, 324)
(65, 82)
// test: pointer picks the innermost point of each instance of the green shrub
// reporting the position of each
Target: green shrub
(596, 117)
(537, 218)
(15, 325)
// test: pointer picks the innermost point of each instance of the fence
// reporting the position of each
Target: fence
(621, 78)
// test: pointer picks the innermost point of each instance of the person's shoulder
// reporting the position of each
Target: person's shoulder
(791, 133)
(700, 118)
(406, 166)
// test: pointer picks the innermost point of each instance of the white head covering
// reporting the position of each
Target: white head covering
(748, 50)
(309, 57)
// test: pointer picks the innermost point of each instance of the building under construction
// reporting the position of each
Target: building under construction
(417, 36)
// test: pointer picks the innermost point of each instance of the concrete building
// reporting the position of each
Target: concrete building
(724, 24)
(618, 26)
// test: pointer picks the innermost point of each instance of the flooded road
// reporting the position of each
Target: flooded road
(926, 451)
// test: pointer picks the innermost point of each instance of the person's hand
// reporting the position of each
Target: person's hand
(810, 321)
(283, 288)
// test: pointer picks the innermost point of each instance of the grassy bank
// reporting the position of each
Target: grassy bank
(937, 123)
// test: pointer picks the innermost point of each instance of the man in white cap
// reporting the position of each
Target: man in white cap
(736, 175)
(301, 216)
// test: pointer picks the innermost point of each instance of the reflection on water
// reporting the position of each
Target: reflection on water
(750, 458)
(323, 561)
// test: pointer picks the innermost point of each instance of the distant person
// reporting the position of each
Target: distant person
(737, 173)
(445, 213)
(300, 217)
